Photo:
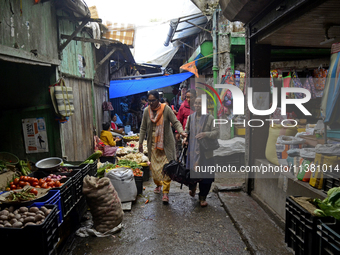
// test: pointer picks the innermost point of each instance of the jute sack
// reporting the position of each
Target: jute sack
(104, 203)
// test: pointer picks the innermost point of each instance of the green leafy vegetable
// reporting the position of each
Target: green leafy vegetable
(330, 206)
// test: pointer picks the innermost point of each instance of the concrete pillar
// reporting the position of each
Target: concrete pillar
(257, 66)
(224, 61)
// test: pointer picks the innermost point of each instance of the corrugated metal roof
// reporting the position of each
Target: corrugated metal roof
(185, 26)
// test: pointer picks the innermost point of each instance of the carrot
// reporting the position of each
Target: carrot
(147, 201)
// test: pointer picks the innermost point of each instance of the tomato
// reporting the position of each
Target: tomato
(13, 186)
(25, 179)
(11, 183)
(35, 180)
(57, 184)
(44, 186)
(21, 178)
(48, 179)
(22, 183)
(34, 191)
(35, 184)
(41, 182)
(16, 181)
(27, 183)
(18, 186)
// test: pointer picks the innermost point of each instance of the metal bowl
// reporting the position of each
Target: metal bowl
(49, 163)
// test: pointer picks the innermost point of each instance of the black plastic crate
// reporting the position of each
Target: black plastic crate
(68, 200)
(329, 237)
(146, 173)
(330, 181)
(80, 209)
(300, 229)
(139, 184)
(93, 168)
(43, 237)
(85, 169)
(77, 165)
(67, 190)
(77, 179)
(90, 169)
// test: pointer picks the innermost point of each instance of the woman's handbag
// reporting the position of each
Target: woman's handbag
(178, 172)
(208, 143)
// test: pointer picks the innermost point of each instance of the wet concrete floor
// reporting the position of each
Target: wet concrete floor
(181, 227)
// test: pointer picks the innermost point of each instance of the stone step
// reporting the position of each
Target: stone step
(255, 226)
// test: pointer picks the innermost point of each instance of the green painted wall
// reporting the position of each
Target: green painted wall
(31, 28)
(69, 62)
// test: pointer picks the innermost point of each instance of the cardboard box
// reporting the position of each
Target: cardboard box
(240, 130)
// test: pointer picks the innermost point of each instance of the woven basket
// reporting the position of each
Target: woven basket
(9, 157)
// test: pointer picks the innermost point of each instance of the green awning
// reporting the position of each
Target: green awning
(203, 55)
(237, 43)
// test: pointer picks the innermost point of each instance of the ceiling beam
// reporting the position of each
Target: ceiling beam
(107, 56)
(91, 40)
(78, 29)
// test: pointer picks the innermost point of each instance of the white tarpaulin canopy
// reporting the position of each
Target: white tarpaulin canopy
(149, 40)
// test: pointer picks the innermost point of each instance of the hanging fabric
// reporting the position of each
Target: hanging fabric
(297, 84)
(331, 96)
(286, 83)
(320, 75)
(107, 106)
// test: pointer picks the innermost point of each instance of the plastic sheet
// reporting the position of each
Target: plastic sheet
(229, 147)
(307, 153)
(123, 181)
(328, 149)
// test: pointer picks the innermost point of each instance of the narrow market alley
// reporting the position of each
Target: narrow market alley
(183, 227)
(106, 105)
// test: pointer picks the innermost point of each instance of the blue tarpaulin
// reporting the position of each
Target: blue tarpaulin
(122, 88)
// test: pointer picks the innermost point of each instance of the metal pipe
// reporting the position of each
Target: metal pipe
(173, 26)
(141, 76)
(215, 66)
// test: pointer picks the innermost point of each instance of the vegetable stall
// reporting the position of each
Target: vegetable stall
(46, 197)
(38, 200)
(130, 161)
